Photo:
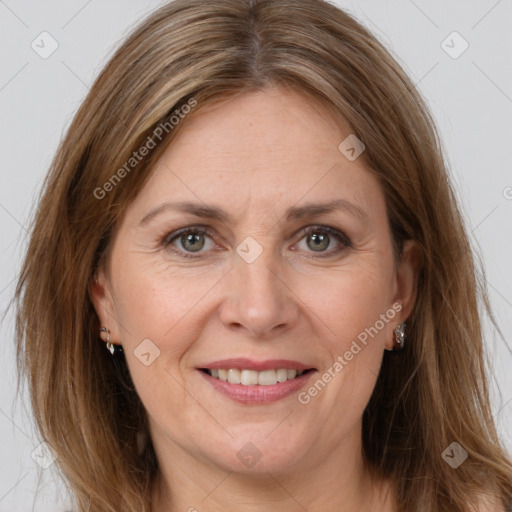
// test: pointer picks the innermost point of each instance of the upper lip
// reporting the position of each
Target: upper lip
(250, 364)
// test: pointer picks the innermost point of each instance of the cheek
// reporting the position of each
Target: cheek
(161, 312)
(350, 302)
(155, 297)
(355, 309)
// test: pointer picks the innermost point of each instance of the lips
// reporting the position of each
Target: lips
(248, 381)
(250, 364)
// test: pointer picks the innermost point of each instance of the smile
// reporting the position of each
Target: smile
(252, 382)
(254, 378)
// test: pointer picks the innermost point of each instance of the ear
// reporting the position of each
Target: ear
(102, 298)
(405, 284)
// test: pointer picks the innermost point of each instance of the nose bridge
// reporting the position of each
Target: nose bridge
(259, 300)
(258, 275)
(259, 287)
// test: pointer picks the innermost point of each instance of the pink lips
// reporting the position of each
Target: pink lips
(249, 364)
(254, 395)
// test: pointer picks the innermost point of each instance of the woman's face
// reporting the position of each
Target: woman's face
(251, 290)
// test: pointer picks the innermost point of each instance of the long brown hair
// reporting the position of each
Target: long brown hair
(433, 394)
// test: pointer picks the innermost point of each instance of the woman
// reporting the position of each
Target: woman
(252, 213)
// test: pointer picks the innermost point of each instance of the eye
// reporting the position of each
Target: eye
(319, 238)
(187, 241)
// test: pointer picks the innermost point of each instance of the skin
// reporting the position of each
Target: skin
(255, 155)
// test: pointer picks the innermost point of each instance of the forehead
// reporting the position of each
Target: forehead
(271, 124)
(270, 148)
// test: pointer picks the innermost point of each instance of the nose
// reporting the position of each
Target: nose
(259, 302)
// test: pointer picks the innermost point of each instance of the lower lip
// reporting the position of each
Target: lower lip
(257, 394)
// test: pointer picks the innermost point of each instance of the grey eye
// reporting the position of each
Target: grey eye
(318, 241)
(192, 242)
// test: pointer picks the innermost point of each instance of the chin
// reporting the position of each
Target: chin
(258, 455)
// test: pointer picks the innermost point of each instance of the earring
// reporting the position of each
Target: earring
(400, 336)
(110, 346)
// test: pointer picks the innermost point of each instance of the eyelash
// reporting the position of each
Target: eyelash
(204, 230)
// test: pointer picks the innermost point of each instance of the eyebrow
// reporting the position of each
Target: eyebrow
(292, 213)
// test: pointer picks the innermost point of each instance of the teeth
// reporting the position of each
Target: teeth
(234, 376)
(253, 378)
(267, 378)
(249, 378)
(282, 375)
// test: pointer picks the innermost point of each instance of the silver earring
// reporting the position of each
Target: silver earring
(400, 336)
(110, 346)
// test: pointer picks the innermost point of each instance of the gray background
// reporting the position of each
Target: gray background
(470, 96)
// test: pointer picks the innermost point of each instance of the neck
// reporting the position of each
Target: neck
(338, 483)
